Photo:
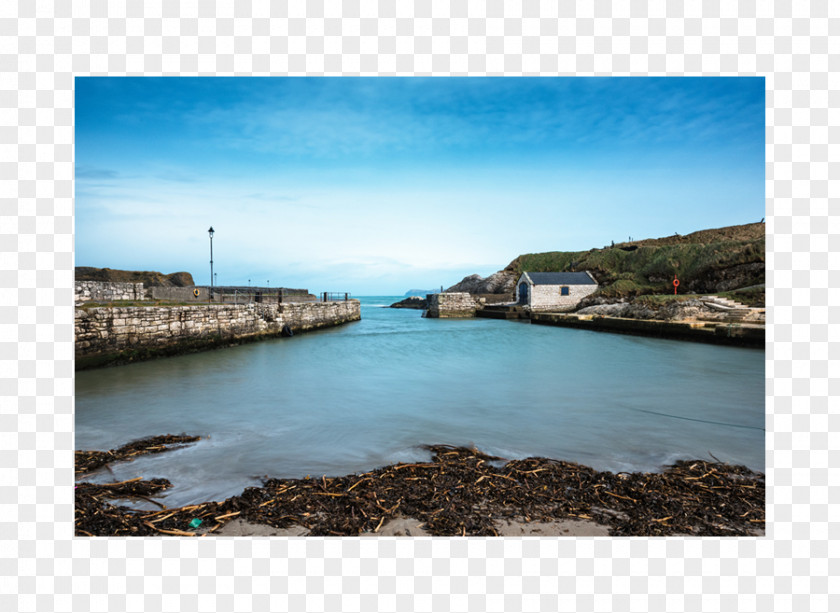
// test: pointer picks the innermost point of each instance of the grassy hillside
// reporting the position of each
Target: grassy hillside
(148, 278)
(719, 260)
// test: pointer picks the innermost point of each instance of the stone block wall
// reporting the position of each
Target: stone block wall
(180, 294)
(120, 334)
(106, 291)
(548, 297)
(302, 316)
(494, 298)
(227, 295)
(451, 304)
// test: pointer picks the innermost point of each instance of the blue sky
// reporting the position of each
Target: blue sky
(379, 185)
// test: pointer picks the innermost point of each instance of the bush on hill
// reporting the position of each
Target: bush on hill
(148, 278)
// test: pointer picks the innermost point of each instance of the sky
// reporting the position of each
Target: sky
(378, 185)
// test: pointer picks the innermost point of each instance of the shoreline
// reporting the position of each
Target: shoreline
(460, 492)
(728, 331)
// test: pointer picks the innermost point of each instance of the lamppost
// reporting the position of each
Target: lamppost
(210, 232)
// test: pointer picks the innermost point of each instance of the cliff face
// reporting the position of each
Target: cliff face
(501, 282)
(147, 278)
(708, 261)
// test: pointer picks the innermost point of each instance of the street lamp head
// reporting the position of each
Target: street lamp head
(210, 231)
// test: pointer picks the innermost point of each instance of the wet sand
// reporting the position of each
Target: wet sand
(406, 526)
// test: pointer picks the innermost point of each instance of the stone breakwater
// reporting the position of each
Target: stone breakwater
(745, 335)
(108, 335)
(450, 304)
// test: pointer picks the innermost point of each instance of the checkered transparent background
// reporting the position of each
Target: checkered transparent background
(43, 45)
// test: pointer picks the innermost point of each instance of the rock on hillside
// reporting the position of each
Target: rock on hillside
(148, 278)
(501, 282)
(412, 302)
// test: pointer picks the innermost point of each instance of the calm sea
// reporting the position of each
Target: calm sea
(369, 393)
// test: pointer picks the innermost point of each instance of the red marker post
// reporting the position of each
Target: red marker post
(676, 284)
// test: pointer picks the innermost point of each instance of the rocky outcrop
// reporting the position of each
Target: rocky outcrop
(727, 279)
(694, 309)
(501, 282)
(148, 278)
(412, 302)
(619, 309)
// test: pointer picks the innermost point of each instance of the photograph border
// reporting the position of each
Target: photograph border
(46, 568)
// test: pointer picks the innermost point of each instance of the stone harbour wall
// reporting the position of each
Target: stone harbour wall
(105, 291)
(745, 335)
(450, 304)
(107, 335)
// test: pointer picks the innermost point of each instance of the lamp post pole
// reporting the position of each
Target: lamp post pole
(210, 232)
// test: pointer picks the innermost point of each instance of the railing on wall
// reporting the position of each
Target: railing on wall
(333, 296)
(246, 295)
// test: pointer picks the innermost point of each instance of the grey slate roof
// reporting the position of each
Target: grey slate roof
(560, 278)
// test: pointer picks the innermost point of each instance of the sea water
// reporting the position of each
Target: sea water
(371, 393)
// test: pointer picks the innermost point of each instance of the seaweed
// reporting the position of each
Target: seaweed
(88, 461)
(460, 492)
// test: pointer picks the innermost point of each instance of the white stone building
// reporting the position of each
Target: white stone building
(555, 291)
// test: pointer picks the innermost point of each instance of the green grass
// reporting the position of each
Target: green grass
(658, 300)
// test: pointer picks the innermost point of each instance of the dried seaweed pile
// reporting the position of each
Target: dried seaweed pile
(88, 461)
(461, 492)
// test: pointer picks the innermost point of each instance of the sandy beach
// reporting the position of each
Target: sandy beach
(406, 526)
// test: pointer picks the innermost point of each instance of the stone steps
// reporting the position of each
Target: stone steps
(723, 301)
(733, 309)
